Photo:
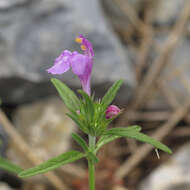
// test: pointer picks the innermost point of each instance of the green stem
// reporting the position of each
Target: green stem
(91, 174)
(92, 142)
(91, 166)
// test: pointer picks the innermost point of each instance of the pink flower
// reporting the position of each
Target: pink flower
(112, 111)
(81, 64)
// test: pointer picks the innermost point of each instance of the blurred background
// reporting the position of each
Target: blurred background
(144, 42)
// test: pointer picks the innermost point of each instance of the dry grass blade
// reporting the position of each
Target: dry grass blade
(159, 134)
(148, 116)
(160, 62)
(147, 40)
(131, 14)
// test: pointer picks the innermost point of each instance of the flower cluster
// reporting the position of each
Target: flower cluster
(81, 65)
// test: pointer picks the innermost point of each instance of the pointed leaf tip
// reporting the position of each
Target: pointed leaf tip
(80, 141)
(9, 166)
(111, 93)
(67, 95)
(53, 163)
(134, 132)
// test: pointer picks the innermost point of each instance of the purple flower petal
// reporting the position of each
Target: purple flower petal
(112, 111)
(61, 64)
(81, 64)
(59, 68)
(63, 57)
(82, 67)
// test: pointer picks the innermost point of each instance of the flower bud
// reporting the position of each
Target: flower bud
(112, 111)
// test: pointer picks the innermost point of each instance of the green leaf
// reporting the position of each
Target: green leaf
(111, 93)
(78, 122)
(80, 141)
(53, 163)
(141, 137)
(109, 135)
(67, 95)
(83, 144)
(88, 106)
(9, 166)
(104, 140)
(122, 131)
(144, 138)
(92, 157)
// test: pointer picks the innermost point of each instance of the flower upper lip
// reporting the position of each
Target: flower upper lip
(88, 50)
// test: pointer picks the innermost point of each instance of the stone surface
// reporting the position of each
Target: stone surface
(119, 188)
(45, 127)
(166, 12)
(4, 186)
(118, 17)
(180, 66)
(3, 145)
(176, 75)
(3, 141)
(40, 31)
(174, 175)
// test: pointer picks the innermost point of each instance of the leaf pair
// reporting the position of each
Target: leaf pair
(89, 153)
(130, 132)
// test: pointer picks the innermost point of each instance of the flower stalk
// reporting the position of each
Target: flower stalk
(91, 174)
(91, 165)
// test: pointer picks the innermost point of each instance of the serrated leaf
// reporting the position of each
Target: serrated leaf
(53, 163)
(67, 95)
(141, 137)
(80, 141)
(111, 93)
(9, 166)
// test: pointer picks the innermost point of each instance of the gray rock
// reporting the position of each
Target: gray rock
(180, 62)
(3, 146)
(176, 75)
(174, 175)
(7, 4)
(4, 186)
(117, 16)
(166, 12)
(40, 31)
(44, 124)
